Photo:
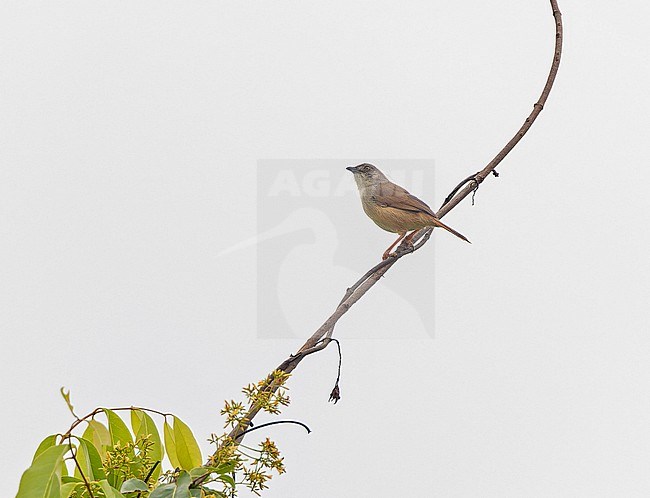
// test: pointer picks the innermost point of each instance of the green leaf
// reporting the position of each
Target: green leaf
(210, 493)
(67, 479)
(143, 425)
(66, 397)
(164, 491)
(136, 417)
(225, 468)
(48, 442)
(187, 449)
(89, 461)
(183, 485)
(118, 430)
(39, 479)
(222, 472)
(179, 489)
(133, 485)
(170, 445)
(68, 488)
(54, 487)
(109, 491)
(199, 471)
(98, 434)
(227, 479)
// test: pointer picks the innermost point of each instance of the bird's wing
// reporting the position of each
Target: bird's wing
(394, 196)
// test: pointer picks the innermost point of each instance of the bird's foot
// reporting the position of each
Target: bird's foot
(405, 247)
(387, 255)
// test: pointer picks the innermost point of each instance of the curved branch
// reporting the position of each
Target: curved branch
(97, 411)
(475, 180)
(372, 276)
(275, 422)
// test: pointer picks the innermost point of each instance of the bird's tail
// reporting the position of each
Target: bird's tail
(440, 224)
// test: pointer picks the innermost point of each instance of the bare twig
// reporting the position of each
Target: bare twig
(475, 180)
(275, 422)
(335, 395)
(149, 474)
(97, 411)
(372, 276)
(73, 452)
(151, 471)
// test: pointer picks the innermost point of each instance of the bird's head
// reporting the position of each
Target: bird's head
(367, 175)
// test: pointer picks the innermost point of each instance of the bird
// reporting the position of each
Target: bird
(392, 207)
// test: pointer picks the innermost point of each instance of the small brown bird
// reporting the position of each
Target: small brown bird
(392, 208)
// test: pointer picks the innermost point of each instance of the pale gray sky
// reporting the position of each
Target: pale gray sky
(131, 137)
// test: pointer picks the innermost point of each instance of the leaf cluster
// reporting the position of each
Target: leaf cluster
(111, 459)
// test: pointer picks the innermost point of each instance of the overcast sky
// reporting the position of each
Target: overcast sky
(144, 259)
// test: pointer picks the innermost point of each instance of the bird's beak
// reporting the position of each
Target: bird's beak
(353, 169)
